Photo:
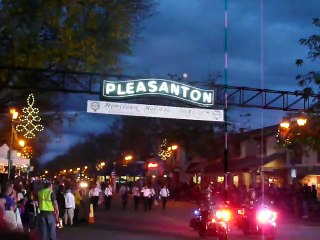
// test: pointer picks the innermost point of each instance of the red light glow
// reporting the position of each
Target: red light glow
(152, 165)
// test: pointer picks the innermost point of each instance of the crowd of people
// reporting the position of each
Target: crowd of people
(148, 194)
(41, 207)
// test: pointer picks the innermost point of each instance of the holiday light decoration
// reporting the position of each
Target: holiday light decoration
(27, 152)
(164, 151)
(283, 137)
(290, 130)
(29, 120)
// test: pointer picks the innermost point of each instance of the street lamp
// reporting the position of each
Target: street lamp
(174, 147)
(301, 121)
(290, 129)
(14, 115)
(285, 124)
(128, 158)
(21, 143)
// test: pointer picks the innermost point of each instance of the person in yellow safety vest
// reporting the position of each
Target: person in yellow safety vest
(49, 212)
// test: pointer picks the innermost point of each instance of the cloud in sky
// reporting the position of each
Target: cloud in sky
(188, 36)
(75, 131)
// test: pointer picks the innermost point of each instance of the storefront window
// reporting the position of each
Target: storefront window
(236, 180)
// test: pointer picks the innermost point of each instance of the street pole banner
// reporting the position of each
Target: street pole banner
(158, 111)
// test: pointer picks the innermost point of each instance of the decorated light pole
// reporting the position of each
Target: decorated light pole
(28, 124)
(14, 115)
(29, 121)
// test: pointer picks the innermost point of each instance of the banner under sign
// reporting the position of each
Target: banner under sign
(142, 110)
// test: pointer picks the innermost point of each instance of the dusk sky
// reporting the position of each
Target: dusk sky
(188, 36)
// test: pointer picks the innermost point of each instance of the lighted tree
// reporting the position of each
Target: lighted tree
(88, 36)
(29, 121)
(310, 134)
(313, 77)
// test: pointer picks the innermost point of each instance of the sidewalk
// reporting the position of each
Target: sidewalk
(291, 218)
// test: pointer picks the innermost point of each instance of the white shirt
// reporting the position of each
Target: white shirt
(152, 192)
(108, 191)
(146, 192)
(164, 192)
(69, 200)
(95, 192)
(136, 192)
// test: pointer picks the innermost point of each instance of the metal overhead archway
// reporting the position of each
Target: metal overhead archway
(89, 83)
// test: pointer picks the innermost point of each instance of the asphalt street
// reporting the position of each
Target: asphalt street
(171, 224)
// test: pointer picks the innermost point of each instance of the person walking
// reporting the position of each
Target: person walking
(146, 195)
(94, 194)
(306, 193)
(124, 191)
(31, 213)
(49, 212)
(61, 205)
(3, 222)
(136, 196)
(70, 206)
(151, 198)
(164, 194)
(108, 196)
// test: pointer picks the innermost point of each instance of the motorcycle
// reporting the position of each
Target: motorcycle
(259, 219)
(212, 222)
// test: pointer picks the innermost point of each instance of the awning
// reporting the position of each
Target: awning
(17, 162)
(253, 163)
(234, 165)
(306, 170)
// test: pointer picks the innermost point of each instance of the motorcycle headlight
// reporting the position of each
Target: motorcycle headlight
(196, 212)
(83, 184)
(266, 215)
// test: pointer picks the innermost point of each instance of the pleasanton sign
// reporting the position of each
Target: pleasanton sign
(140, 87)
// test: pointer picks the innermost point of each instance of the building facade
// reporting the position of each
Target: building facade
(255, 155)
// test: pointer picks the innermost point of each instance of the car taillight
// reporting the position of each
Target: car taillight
(224, 215)
(266, 216)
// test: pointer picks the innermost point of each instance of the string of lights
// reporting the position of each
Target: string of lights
(164, 152)
(29, 120)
